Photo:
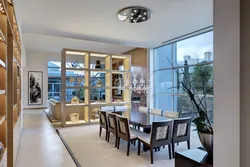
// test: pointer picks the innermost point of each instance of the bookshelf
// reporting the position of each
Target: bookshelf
(96, 86)
(10, 82)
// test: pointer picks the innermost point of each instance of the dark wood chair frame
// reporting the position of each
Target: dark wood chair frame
(110, 128)
(103, 124)
(154, 144)
(121, 135)
(178, 139)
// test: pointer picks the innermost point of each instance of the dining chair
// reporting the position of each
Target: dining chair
(161, 135)
(103, 123)
(108, 108)
(112, 126)
(172, 115)
(181, 132)
(144, 110)
(125, 132)
(156, 112)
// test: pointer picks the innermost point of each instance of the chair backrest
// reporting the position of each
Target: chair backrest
(108, 108)
(103, 119)
(156, 112)
(181, 129)
(144, 110)
(173, 115)
(161, 133)
(120, 108)
(112, 127)
(123, 130)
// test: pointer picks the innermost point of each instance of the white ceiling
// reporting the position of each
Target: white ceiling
(51, 25)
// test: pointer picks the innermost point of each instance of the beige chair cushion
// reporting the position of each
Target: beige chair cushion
(145, 138)
(143, 110)
(135, 133)
(156, 112)
(161, 133)
(182, 130)
(171, 114)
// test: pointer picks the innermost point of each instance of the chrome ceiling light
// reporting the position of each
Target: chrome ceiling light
(134, 14)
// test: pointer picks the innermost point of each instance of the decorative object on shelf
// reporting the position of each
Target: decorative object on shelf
(75, 64)
(79, 80)
(35, 87)
(134, 14)
(99, 83)
(74, 117)
(74, 100)
(95, 113)
(98, 64)
(71, 80)
(1, 149)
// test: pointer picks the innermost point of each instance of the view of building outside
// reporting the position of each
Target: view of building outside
(189, 61)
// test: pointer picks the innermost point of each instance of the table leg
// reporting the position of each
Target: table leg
(146, 130)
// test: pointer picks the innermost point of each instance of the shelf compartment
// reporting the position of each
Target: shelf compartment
(98, 103)
(74, 105)
(2, 64)
(77, 69)
(2, 104)
(2, 119)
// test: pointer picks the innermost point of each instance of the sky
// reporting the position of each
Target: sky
(195, 46)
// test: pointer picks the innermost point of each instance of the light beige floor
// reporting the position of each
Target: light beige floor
(40, 146)
(92, 151)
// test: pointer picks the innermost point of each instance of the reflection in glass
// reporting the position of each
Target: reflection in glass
(163, 82)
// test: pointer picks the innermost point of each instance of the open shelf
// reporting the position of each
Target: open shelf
(97, 73)
(2, 64)
(2, 119)
(2, 92)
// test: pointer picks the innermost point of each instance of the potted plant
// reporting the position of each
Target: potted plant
(197, 87)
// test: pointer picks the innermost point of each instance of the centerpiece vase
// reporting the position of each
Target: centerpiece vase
(207, 142)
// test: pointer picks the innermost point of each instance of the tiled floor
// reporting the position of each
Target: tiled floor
(40, 146)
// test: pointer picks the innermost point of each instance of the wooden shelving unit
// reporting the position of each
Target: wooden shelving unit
(92, 96)
(10, 82)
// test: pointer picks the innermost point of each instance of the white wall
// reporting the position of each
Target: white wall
(38, 61)
(226, 83)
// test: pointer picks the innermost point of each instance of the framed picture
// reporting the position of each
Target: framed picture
(35, 87)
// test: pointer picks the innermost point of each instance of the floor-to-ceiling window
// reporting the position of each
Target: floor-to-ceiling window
(188, 61)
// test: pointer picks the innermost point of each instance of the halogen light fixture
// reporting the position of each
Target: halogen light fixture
(134, 14)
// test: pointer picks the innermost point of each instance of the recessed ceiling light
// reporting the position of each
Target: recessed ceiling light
(134, 14)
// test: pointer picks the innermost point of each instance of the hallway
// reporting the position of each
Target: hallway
(40, 145)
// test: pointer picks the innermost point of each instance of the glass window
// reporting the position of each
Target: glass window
(163, 57)
(163, 82)
(192, 70)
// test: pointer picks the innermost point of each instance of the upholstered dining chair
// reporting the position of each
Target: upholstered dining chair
(181, 132)
(161, 135)
(172, 115)
(103, 123)
(156, 112)
(112, 126)
(125, 132)
(144, 110)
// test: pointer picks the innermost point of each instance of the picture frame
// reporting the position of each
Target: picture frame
(35, 87)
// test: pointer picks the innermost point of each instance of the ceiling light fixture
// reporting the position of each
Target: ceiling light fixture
(134, 14)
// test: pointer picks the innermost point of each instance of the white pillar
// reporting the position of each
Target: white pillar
(227, 83)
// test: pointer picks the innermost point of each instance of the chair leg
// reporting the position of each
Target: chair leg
(188, 144)
(134, 142)
(163, 146)
(106, 135)
(118, 142)
(115, 141)
(151, 155)
(139, 147)
(100, 133)
(169, 151)
(173, 151)
(128, 148)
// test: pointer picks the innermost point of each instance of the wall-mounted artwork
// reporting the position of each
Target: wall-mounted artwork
(35, 87)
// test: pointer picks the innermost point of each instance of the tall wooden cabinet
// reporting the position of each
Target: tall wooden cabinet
(94, 87)
(10, 81)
